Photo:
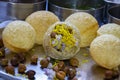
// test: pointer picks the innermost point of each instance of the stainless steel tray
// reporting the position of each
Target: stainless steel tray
(88, 69)
(40, 73)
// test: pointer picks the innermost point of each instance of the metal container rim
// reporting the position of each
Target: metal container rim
(110, 14)
(27, 3)
(111, 2)
(76, 9)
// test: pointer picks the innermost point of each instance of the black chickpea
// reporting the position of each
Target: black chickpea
(34, 60)
(53, 34)
(14, 61)
(66, 70)
(115, 74)
(61, 65)
(31, 74)
(10, 69)
(55, 68)
(21, 68)
(21, 57)
(72, 73)
(60, 75)
(108, 75)
(44, 63)
(74, 62)
(4, 62)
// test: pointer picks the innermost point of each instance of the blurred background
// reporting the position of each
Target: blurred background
(100, 9)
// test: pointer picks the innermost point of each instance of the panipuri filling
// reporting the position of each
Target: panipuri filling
(62, 38)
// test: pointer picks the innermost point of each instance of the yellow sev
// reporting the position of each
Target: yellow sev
(67, 37)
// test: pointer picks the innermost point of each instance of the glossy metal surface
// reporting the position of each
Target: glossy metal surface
(63, 8)
(87, 70)
(113, 1)
(13, 10)
(3, 11)
(109, 4)
(25, 1)
(4, 76)
(114, 14)
(22, 10)
(40, 73)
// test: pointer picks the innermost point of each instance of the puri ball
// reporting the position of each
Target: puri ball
(87, 26)
(105, 50)
(62, 41)
(19, 36)
(40, 21)
(110, 28)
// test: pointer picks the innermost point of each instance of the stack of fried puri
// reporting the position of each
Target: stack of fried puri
(105, 49)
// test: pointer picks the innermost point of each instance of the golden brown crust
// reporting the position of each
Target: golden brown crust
(87, 26)
(40, 21)
(19, 36)
(14, 49)
(105, 50)
(110, 28)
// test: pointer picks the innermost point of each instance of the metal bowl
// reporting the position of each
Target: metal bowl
(114, 14)
(63, 8)
(109, 4)
(22, 10)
